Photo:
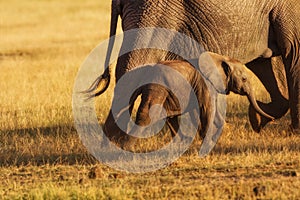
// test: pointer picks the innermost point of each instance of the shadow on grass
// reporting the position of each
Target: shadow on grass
(38, 160)
(45, 131)
(257, 148)
(43, 145)
(61, 145)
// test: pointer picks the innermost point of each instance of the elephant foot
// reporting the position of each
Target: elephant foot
(276, 109)
(119, 138)
(295, 130)
(295, 125)
(129, 144)
(257, 121)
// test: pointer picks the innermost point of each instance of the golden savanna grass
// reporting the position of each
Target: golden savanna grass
(42, 45)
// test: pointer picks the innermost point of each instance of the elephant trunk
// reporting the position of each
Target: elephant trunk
(253, 102)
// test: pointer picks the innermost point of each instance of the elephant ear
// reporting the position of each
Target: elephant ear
(215, 69)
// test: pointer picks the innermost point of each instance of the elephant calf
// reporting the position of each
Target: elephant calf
(231, 76)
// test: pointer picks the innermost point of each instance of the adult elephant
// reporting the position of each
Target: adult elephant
(263, 34)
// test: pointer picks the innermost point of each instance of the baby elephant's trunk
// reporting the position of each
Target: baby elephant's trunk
(253, 102)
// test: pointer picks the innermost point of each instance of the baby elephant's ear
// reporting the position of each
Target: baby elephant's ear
(214, 68)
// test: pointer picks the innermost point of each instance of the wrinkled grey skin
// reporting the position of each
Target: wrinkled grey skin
(267, 31)
(234, 77)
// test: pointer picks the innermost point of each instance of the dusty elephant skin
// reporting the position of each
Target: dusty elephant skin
(267, 31)
(232, 76)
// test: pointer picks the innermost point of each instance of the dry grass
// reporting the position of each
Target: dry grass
(43, 44)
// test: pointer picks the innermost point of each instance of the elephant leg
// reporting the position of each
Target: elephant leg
(272, 75)
(116, 135)
(293, 77)
(288, 40)
(173, 125)
(110, 128)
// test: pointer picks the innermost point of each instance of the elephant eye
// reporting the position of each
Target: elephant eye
(244, 79)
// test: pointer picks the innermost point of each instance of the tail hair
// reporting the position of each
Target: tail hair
(99, 86)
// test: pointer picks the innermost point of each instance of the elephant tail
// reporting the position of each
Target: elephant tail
(101, 84)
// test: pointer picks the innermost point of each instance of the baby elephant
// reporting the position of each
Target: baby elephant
(231, 76)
